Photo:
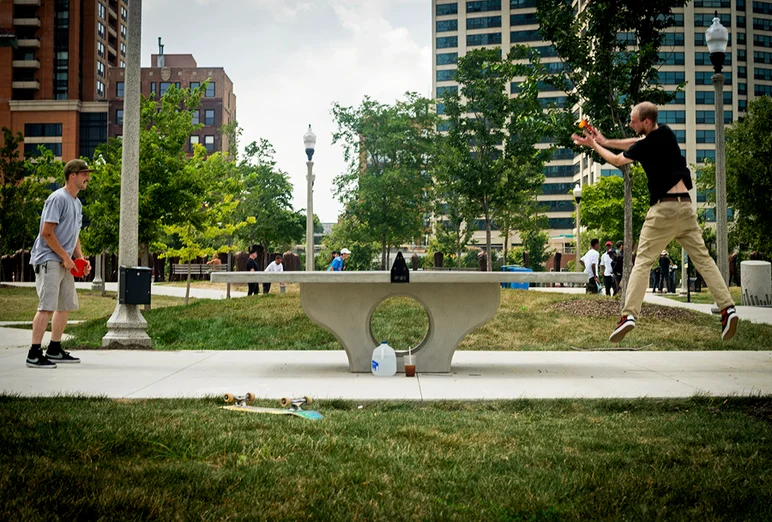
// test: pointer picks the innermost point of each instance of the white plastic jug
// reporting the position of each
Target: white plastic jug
(384, 363)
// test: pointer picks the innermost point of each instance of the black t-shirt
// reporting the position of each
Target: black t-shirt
(664, 262)
(252, 265)
(661, 158)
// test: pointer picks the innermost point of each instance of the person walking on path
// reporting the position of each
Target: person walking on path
(617, 266)
(337, 263)
(606, 261)
(670, 215)
(274, 266)
(664, 271)
(252, 288)
(590, 262)
(57, 241)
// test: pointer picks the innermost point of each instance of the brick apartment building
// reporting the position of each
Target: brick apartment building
(53, 70)
(218, 103)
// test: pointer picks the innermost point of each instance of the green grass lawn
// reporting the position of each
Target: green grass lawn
(525, 320)
(704, 297)
(20, 304)
(98, 459)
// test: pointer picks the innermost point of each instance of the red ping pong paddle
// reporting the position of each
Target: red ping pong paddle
(80, 266)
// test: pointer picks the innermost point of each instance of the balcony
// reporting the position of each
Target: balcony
(26, 64)
(26, 22)
(36, 3)
(29, 42)
(29, 84)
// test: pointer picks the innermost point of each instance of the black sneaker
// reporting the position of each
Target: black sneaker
(60, 356)
(729, 322)
(626, 324)
(39, 361)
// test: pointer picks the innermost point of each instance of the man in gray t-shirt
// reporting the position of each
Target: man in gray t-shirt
(52, 260)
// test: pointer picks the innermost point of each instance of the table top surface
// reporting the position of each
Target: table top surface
(418, 276)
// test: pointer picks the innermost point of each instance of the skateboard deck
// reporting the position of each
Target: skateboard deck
(305, 414)
(239, 403)
(612, 349)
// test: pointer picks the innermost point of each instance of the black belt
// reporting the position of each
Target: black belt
(676, 197)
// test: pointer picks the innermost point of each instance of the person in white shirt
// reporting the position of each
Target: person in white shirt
(590, 263)
(608, 273)
(274, 266)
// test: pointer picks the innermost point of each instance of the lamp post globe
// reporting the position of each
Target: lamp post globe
(717, 38)
(309, 141)
(578, 198)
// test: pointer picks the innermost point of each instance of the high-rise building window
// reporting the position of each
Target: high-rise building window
(762, 57)
(706, 136)
(445, 42)
(100, 30)
(671, 58)
(100, 88)
(42, 130)
(209, 143)
(93, 132)
(485, 22)
(119, 116)
(100, 69)
(445, 26)
(210, 90)
(61, 49)
(209, 117)
(31, 149)
(195, 85)
(447, 58)
(123, 48)
(100, 49)
(761, 8)
(446, 9)
(123, 31)
(123, 64)
(671, 77)
(446, 75)
(124, 13)
(523, 19)
(119, 87)
(525, 36)
(704, 59)
(153, 92)
(672, 116)
(194, 140)
(196, 117)
(101, 11)
(481, 6)
(703, 154)
(706, 78)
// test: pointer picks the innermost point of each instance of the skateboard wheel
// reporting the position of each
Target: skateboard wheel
(229, 398)
(308, 399)
(250, 397)
(284, 402)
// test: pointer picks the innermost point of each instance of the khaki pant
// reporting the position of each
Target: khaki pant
(665, 221)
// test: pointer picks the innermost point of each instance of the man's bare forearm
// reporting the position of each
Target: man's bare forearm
(622, 144)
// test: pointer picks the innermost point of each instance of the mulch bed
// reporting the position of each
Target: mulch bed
(610, 308)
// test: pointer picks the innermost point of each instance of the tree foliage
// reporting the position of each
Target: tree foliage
(748, 177)
(388, 149)
(495, 165)
(602, 205)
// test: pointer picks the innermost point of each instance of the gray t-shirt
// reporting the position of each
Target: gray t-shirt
(67, 212)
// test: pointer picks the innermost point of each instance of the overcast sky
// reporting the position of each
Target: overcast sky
(289, 60)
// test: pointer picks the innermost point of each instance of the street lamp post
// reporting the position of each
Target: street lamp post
(578, 197)
(717, 38)
(309, 140)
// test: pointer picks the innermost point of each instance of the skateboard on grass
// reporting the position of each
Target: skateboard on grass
(288, 405)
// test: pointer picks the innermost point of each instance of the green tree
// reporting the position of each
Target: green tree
(611, 50)
(748, 177)
(388, 149)
(352, 234)
(495, 165)
(267, 197)
(602, 205)
(13, 169)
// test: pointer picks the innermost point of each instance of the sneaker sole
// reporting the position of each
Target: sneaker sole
(42, 366)
(731, 328)
(620, 332)
(62, 361)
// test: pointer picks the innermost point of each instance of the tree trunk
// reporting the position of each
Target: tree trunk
(388, 257)
(506, 243)
(488, 253)
(383, 252)
(230, 265)
(627, 266)
(187, 286)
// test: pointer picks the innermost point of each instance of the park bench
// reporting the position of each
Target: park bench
(196, 269)
(456, 303)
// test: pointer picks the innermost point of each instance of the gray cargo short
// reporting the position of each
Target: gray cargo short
(56, 287)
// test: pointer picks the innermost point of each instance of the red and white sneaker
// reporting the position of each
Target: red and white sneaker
(729, 322)
(626, 324)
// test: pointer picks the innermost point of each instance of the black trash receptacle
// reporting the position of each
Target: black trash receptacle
(134, 286)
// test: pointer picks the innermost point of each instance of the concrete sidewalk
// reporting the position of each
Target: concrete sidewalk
(324, 375)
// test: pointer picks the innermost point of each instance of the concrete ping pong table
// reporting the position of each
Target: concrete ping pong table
(456, 303)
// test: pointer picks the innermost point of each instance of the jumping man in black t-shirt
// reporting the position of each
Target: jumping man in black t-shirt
(670, 215)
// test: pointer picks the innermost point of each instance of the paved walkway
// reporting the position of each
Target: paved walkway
(324, 374)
